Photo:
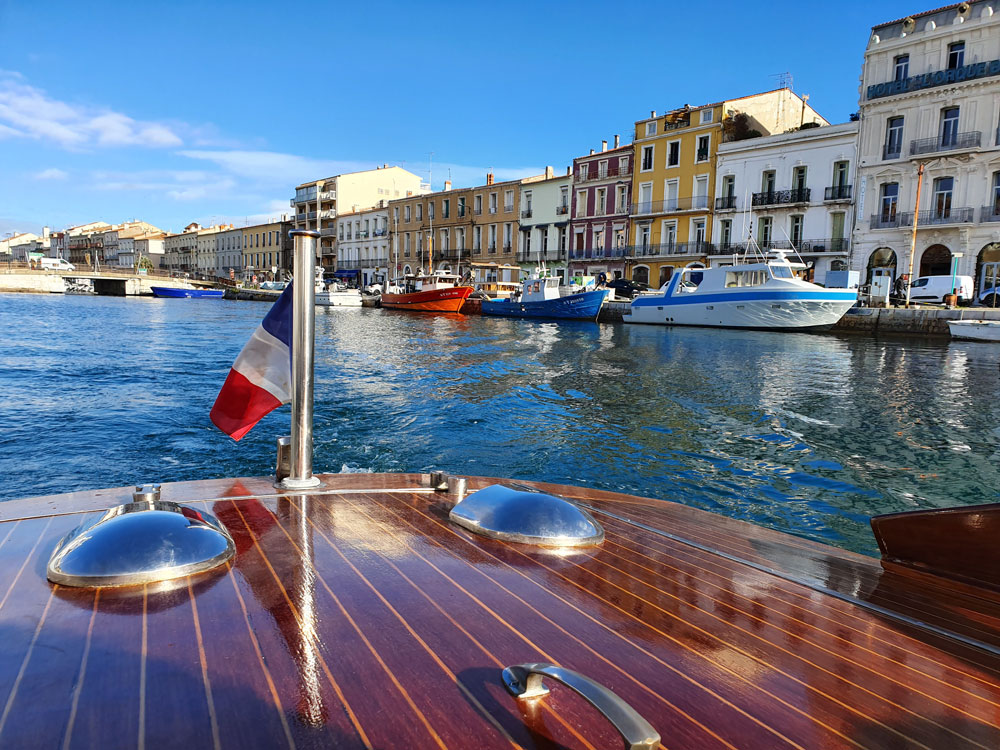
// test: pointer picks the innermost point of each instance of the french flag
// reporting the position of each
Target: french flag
(261, 377)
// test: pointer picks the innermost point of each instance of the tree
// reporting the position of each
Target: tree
(737, 128)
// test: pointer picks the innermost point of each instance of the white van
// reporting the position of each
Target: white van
(934, 288)
(56, 264)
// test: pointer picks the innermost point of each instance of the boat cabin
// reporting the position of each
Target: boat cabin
(426, 282)
(496, 280)
(539, 289)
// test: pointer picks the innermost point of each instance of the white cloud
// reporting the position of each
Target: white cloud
(52, 173)
(28, 112)
(180, 185)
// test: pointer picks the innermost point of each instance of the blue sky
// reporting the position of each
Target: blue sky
(193, 111)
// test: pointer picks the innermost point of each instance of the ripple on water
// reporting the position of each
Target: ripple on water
(807, 434)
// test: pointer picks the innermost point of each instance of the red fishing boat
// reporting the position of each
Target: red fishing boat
(438, 291)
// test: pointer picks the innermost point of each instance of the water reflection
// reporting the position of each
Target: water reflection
(806, 433)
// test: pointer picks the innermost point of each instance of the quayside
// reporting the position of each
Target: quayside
(357, 615)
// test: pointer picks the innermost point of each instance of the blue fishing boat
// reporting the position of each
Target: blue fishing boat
(541, 297)
(166, 291)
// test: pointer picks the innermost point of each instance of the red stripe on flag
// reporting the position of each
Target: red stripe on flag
(240, 405)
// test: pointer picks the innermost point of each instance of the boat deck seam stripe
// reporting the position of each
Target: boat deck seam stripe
(802, 581)
(82, 675)
(203, 662)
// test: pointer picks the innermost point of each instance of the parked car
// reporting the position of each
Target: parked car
(990, 297)
(627, 288)
(934, 288)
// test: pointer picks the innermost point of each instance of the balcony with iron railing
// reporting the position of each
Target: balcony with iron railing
(781, 197)
(610, 173)
(531, 256)
(885, 220)
(508, 208)
(507, 248)
(562, 210)
(990, 213)
(670, 248)
(380, 233)
(478, 211)
(694, 203)
(951, 142)
(725, 203)
(934, 217)
(526, 213)
(599, 253)
(837, 193)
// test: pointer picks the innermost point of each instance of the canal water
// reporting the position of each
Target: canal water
(809, 434)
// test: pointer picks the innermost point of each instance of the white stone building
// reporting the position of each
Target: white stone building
(930, 95)
(363, 245)
(791, 191)
(544, 222)
(318, 203)
(205, 253)
(150, 246)
(180, 249)
(229, 253)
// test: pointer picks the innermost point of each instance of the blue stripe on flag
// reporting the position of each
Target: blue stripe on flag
(278, 321)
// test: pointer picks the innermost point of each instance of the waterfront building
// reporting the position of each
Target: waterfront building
(180, 249)
(544, 222)
(267, 250)
(930, 95)
(149, 246)
(119, 235)
(363, 245)
(228, 263)
(495, 226)
(205, 249)
(318, 202)
(25, 246)
(674, 175)
(791, 191)
(599, 224)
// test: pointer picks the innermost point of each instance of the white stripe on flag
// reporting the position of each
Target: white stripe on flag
(265, 362)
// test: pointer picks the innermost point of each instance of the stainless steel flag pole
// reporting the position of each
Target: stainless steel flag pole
(300, 474)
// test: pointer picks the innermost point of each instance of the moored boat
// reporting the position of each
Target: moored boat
(975, 330)
(335, 296)
(764, 294)
(541, 297)
(171, 292)
(439, 291)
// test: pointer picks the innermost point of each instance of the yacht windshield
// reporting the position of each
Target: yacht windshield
(781, 272)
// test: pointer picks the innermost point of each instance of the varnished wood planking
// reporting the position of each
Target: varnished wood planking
(714, 653)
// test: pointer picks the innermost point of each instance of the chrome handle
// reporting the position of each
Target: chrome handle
(525, 681)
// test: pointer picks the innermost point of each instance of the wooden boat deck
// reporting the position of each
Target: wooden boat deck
(357, 616)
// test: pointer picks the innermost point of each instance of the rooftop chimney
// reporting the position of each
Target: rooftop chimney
(604, 146)
(489, 178)
(549, 173)
(618, 141)
(652, 113)
(591, 152)
(569, 170)
(447, 185)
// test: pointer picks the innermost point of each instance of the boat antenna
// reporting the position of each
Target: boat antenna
(792, 245)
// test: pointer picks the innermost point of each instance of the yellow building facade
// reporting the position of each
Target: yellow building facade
(673, 179)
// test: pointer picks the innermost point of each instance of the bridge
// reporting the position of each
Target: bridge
(107, 282)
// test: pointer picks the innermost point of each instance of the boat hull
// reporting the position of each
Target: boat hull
(775, 310)
(339, 299)
(975, 330)
(581, 306)
(169, 292)
(435, 300)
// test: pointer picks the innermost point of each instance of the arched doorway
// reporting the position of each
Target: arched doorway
(641, 274)
(988, 272)
(935, 261)
(881, 263)
(666, 272)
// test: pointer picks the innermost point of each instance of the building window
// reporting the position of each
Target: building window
(889, 201)
(671, 189)
(893, 137)
(508, 231)
(527, 243)
(956, 55)
(430, 210)
(949, 126)
(795, 231)
(508, 201)
(602, 169)
(419, 211)
(799, 184)
(668, 234)
(621, 199)
(764, 232)
(840, 173)
(767, 181)
(493, 238)
(702, 152)
(726, 232)
(673, 153)
(651, 128)
(706, 116)
(445, 208)
(901, 68)
(340, 232)
(584, 170)
(943, 189)
(461, 206)
(698, 230)
(623, 166)
(395, 214)
(728, 188)
(581, 202)
(477, 205)
(493, 203)
(996, 193)
(420, 243)
(477, 239)
(406, 213)
(647, 158)
(545, 242)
